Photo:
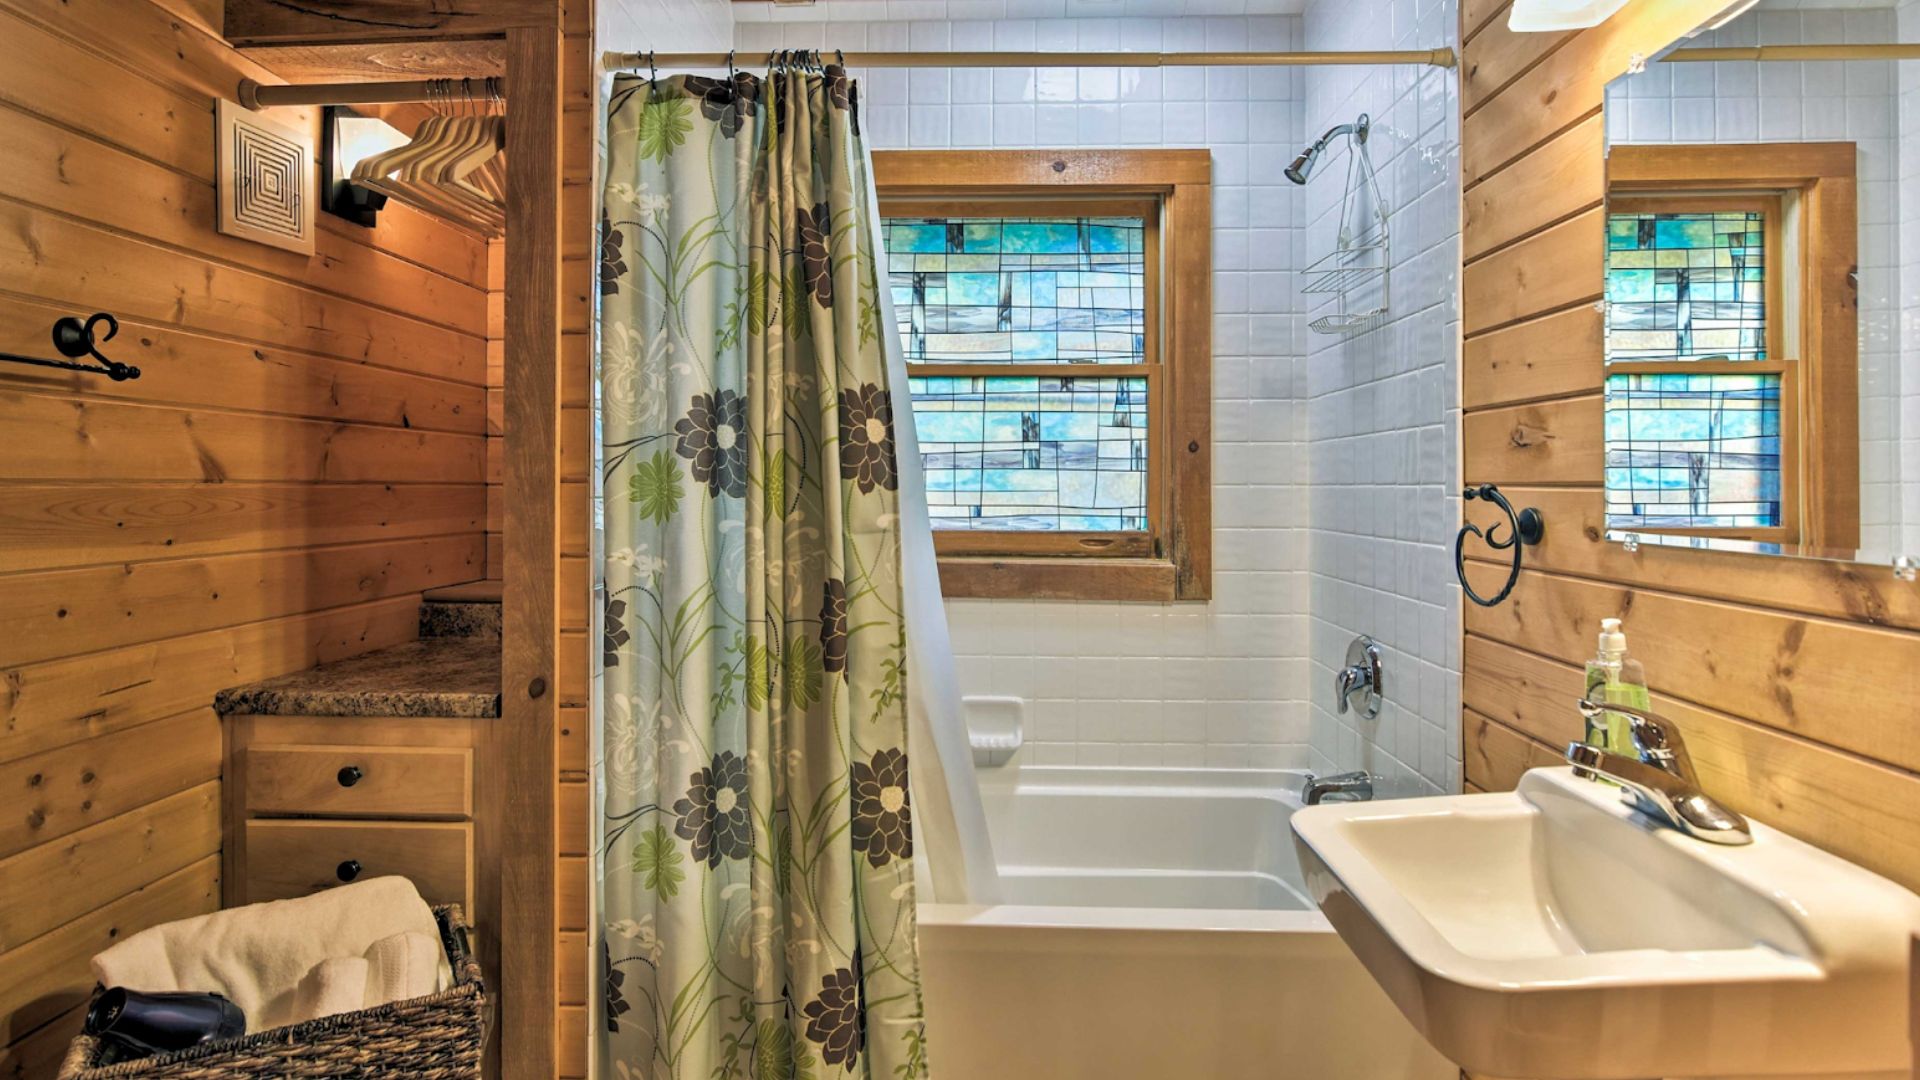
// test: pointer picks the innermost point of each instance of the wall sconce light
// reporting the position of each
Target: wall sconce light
(1532, 16)
(346, 139)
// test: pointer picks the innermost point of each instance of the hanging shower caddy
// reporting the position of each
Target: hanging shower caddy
(1359, 264)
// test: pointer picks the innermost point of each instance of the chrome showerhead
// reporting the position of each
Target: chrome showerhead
(1302, 168)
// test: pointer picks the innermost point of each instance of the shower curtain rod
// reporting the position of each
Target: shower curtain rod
(1797, 52)
(1434, 57)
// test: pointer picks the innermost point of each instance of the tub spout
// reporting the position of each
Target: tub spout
(1340, 787)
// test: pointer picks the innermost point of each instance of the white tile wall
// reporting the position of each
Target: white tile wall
(1382, 407)
(1857, 100)
(663, 25)
(1223, 683)
(1907, 244)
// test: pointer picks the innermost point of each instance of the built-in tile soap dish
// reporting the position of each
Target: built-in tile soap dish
(996, 727)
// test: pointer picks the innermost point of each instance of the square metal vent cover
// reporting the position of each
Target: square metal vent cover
(267, 179)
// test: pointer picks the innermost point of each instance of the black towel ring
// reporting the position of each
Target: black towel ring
(1524, 528)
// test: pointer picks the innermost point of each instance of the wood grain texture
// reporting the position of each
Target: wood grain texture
(1561, 441)
(1777, 671)
(533, 466)
(1555, 268)
(1796, 673)
(49, 975)
(1551, 356)
(1552, 183)
(50, 795)
(50, 884)
(251, 22)
(63, 612)
(303, 454)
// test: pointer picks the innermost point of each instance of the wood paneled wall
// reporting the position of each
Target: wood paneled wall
(1793, 681)
(578, 279)
(304, 454)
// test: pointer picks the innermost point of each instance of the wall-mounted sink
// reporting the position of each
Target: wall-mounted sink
(1554, 931)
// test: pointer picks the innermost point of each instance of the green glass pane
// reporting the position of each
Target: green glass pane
(1700, 276)
(1034, 454)
(1019, 289)
(1692, 451)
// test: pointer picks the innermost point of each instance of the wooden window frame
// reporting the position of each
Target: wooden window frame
(1820, 365)
(1173, 190)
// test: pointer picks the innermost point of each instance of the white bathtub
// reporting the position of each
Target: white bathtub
(1155, 928)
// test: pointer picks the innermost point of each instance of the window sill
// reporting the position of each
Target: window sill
(1063, 578)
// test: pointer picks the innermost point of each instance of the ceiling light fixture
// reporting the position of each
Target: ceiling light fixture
(1535, 16)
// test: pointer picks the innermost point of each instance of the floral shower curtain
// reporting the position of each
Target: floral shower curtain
(757, 903)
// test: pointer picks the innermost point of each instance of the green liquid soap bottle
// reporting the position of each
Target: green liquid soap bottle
(1614, 678)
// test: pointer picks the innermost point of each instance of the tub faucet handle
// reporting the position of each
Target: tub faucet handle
(1363, 676)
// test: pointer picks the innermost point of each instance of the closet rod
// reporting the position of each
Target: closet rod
(256, 96)
(1434, 57)
(1798, 52)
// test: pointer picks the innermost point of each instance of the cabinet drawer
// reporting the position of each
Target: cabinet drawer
(293, 858)
(359, 781)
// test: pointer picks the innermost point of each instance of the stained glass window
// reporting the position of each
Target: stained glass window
(1686, 286)
(1064, 453)
(1693, 451)
(1048, 290)
(1051, 452)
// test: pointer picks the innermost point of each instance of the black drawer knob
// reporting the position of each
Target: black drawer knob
(349, 776)
(348, 870)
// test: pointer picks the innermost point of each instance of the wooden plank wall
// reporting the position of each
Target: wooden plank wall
(579, 246)
(304, 454)
(1793, 681)
(496, 410)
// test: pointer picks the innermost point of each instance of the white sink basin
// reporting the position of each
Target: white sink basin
(1553, 931)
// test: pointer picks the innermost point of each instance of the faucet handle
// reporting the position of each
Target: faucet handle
(1656, 738)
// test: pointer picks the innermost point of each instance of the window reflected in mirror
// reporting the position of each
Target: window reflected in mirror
(1762, 287)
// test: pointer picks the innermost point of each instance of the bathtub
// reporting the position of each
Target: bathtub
(1154, 927)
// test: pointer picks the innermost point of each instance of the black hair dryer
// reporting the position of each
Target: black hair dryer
(131, 1024)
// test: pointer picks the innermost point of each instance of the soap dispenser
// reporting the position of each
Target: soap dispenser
(1614, 678)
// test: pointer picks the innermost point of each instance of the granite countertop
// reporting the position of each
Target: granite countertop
(434, 676)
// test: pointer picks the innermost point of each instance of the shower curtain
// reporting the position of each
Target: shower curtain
(757, 900)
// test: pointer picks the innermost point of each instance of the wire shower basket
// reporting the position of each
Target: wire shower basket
(1361, 257)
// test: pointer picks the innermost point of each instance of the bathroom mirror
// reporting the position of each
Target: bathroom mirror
(1762, 260)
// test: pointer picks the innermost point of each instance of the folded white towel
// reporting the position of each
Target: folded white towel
(403, 966)
(335, 985)
(257, 955)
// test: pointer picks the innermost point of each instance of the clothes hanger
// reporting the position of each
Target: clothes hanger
(412, 176)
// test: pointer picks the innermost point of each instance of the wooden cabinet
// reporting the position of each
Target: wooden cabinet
(317, 801)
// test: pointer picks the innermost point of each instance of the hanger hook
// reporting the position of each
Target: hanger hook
(731, 74)
(839, 58)
(653, 72)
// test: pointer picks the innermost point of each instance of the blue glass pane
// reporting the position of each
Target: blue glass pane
(1046, 453)
(1693, 451)
(1686, 286)
(1052, 290)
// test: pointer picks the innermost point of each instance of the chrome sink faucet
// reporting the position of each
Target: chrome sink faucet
(1340, 787)
(1660, 775)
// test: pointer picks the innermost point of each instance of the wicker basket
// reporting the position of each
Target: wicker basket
(437, 1037)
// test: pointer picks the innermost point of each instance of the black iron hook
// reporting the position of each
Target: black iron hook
(1524, 528)
(74, 339)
